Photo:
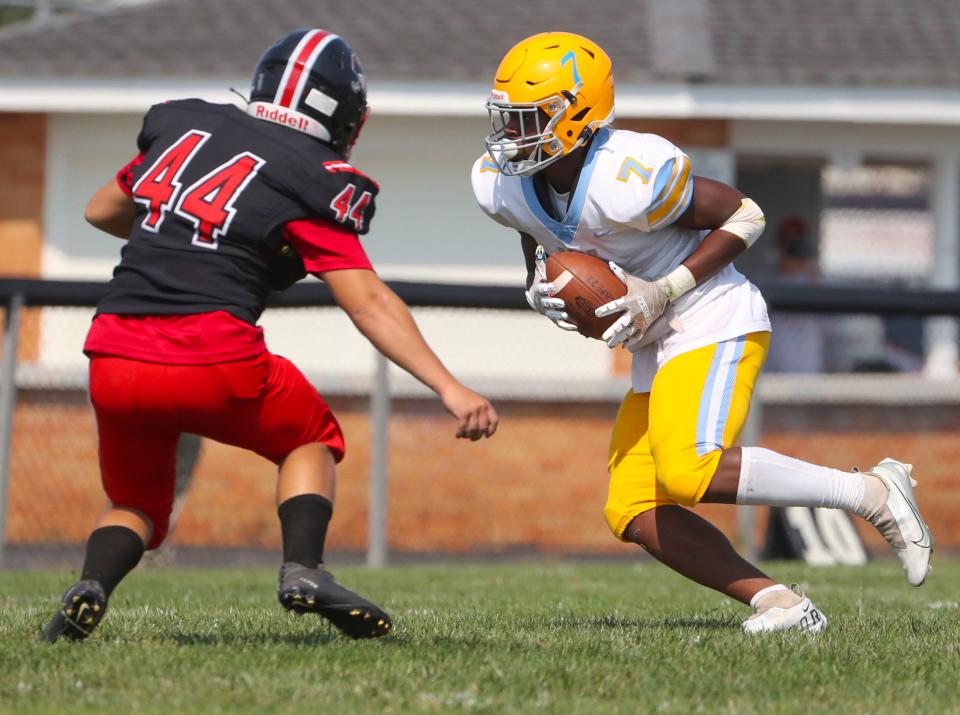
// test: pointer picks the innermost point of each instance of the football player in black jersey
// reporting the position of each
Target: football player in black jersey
(218, 206)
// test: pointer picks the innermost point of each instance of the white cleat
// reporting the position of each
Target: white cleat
(786, 610)
(900, 522)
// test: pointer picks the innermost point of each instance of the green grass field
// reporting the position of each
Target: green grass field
(516, 638)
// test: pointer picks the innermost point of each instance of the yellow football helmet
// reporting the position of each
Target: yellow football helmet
(550, 93)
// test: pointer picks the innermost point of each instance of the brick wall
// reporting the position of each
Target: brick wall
(23, 140)
(539, 485)
(685, 133)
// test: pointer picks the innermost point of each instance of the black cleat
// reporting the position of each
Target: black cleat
(81, 609)
(305, 590)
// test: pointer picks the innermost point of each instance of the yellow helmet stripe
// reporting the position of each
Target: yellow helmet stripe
(672, 194)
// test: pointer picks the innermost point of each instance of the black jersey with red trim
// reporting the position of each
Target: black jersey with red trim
(214, 188)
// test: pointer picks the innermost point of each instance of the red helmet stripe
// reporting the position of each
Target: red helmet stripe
(297, 64)
(308, 67)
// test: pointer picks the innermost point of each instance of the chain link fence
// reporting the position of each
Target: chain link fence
(537, 487)
(445, 495)
(876, 223)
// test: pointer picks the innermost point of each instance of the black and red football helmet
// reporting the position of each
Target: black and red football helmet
(311, 80)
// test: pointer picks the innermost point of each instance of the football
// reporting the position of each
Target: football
(584, 283)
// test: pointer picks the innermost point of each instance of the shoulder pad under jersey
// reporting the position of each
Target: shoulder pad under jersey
(486, 179)
(647, 182)
(340, 192)
(154, 122)
(160, 117)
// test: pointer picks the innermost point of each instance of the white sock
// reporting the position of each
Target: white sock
(772, 479)
(758, 596)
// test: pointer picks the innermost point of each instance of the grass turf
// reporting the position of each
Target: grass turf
(516, 638)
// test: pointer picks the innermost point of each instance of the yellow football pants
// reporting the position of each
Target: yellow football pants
(666, 443)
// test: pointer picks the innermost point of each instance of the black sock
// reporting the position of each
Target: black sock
(112, 552)
(303, 521)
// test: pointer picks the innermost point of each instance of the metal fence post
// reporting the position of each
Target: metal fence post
(380, 422)
(8, 397)
(747, 515)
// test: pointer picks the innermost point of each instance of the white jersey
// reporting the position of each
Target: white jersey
(631, 189)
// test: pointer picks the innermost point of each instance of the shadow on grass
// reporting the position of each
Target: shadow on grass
(252, 639)
(315, 639)
(719, 621)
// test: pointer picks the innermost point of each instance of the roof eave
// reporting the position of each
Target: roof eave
(870, 105)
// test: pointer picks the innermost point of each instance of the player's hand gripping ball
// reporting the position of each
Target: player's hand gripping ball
(641, 307)
(540, 295)
(584, 283)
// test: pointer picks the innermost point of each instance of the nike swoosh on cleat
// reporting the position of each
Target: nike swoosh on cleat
(924, 528)
(602, 232)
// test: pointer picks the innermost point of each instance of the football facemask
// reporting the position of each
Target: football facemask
(523, 140)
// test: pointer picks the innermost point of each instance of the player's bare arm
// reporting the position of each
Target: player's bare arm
(529, 246)
(713, 204)
(385, 320)
(111, 210)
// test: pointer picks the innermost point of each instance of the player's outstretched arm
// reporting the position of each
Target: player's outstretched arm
(111, 210)
(385, 320)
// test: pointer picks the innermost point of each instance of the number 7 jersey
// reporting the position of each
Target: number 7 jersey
(631, 190)
(213, 189)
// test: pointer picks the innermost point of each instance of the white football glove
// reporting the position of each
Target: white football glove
(644, 302)
(540, 294)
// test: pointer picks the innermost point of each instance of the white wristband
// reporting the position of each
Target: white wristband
(677, 282)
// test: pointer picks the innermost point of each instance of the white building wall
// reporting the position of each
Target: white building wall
(427, 227)
(84, 151)
(835, 139)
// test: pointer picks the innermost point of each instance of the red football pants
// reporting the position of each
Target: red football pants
(263, 404)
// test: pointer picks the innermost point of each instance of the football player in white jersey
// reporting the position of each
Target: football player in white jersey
(559, 173)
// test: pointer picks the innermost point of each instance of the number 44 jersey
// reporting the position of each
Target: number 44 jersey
(214, 189)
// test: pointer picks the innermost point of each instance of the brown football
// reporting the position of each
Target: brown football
(584, 283)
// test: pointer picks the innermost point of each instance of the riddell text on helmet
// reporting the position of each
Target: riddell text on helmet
(281, 116)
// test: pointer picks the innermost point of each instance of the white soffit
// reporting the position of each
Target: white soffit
(842, 104)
